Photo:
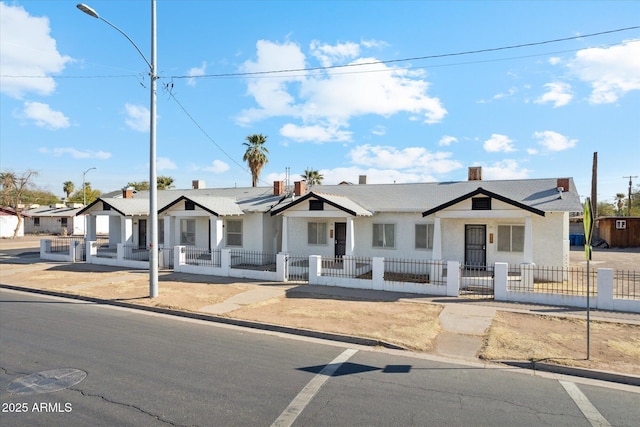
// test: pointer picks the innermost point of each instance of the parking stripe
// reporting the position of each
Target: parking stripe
(590, 412)
(303, 398)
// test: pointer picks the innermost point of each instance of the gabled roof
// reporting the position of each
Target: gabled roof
(487, 193)
(218, 206)
(125, 207)
(339, 202)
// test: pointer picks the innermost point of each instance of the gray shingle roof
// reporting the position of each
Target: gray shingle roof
(366, 199)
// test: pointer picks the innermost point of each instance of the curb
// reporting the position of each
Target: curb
(217, 319)
(573, 371)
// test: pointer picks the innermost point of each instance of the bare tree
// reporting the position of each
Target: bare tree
(13, 187)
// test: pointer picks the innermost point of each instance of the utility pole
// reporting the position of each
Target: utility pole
(630, 185)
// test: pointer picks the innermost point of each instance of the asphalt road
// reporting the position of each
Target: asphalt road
(148, 369)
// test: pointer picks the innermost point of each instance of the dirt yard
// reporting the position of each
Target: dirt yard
(614, 347)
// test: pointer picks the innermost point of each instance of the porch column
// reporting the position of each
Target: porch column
(176, 231)
(91, 231)
(126, 230)
(285, 235)
(168, 238)
(217, 232)
(528, 241)
(350, 241)
(437, 240)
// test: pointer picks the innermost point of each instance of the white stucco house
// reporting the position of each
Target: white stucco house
(474, 222)
(9, 222)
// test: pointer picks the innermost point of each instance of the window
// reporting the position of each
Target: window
(63, 222)
(234, 232)
(316, 205)
(621, 224)
(36, 222)
(384, 236)
(510, 238)
(481, 204)
(317, 233)
(188, 232)
(424, 236)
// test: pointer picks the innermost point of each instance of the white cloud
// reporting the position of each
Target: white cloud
(329, 54)
(196, 71)
(331, 98)
(505, 169)
(76, 154)
(554, 141)
(379, 130)
(611, 72)
(315, 133)
(27, 49)
(164, 163)
(446, 140)
(554, 60)
(137, 117)
(498, 143)
(217, 166)
(44, 116)
(558, 93)
(418, 160)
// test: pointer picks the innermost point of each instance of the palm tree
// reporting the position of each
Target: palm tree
(312, 176)
(255, 156)
(68, 188)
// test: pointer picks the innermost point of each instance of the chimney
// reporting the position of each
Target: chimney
(475, 173)
(562, 183)
(278, 188)
(362, 179)
(197, 184)
(127, 193)
(298, 188)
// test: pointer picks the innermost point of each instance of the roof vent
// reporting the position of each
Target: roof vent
(362, 179)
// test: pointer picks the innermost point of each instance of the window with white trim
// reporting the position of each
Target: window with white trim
(424, 236)
(384, 236)
(511, 238)
(317, 233)
(188, 232)
(234, 232)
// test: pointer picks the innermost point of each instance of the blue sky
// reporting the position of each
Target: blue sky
(408, 106)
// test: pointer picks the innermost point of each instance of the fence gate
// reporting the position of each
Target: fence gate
(476, 281)
(297, 268)
(165, 258)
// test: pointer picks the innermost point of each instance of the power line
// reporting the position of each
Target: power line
(416, 58)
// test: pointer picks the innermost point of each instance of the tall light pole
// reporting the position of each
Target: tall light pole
(153, 186)
(84, 198)
(84, 187)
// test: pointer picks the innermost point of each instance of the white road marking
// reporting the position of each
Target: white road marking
(590, 412)
(305, 396)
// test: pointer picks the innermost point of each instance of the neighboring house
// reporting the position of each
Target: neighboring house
(9, 222)
(207, 218)
(475, 222)
(58, 219)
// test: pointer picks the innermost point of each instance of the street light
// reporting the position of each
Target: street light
(84, 187)
(153, 189)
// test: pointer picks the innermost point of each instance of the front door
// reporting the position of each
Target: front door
(341, 239)
(142, 233)
(475, 245)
